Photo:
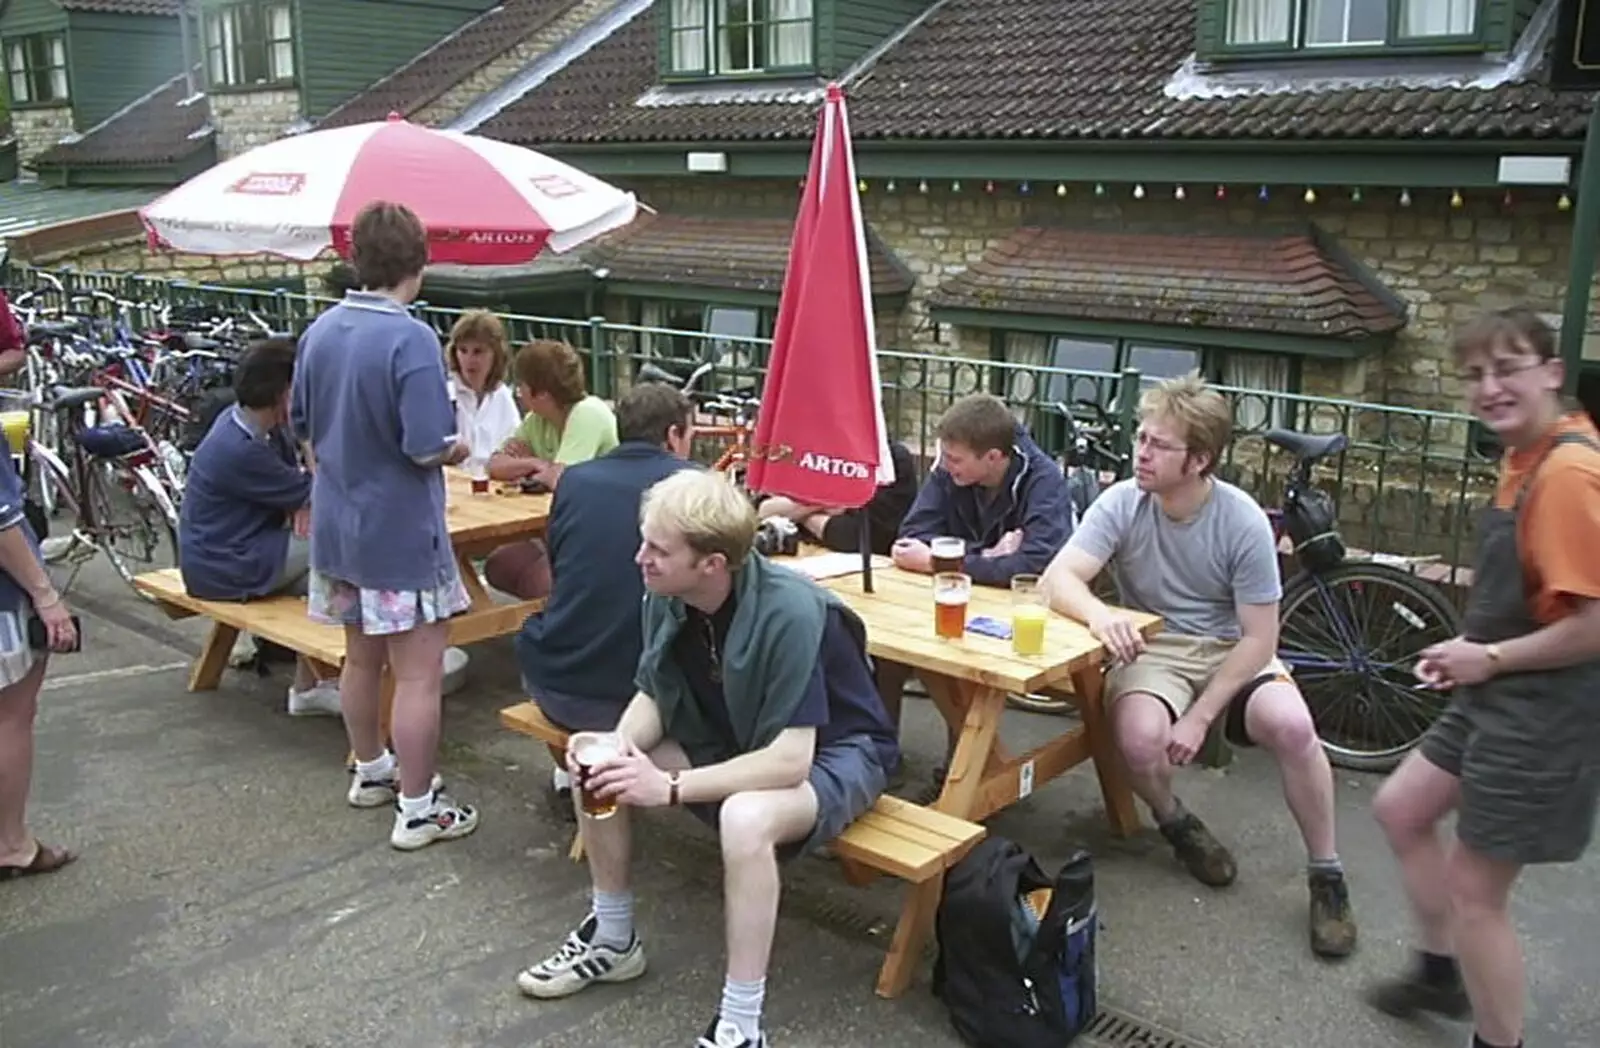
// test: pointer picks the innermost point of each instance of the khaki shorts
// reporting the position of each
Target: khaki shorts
(1176, 669)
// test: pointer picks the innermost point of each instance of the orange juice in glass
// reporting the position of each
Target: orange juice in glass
(1028, 615)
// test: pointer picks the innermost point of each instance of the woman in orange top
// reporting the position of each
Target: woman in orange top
(1517, 753)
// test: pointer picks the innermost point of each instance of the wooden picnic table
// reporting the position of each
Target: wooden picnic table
(478, 525)
(968, 680)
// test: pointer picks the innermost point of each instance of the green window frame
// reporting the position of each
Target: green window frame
(1340, 27)
(250, 45)
(1271, 375)
(740, 37)
(36, 69)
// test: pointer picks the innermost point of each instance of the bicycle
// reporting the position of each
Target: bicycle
(107, 479)
(1354, 671)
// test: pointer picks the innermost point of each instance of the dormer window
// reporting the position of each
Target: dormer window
(740, 37)
(1322, 25)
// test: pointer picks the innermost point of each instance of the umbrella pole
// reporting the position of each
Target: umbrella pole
(866, 551)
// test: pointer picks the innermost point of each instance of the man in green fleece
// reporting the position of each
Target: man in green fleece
(757, 710)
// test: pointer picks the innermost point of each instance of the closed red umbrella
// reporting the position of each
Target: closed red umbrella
(820, 434)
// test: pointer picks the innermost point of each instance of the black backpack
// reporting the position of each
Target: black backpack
(1012, 977)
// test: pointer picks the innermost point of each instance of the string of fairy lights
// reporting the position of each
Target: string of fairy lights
(1180, 192)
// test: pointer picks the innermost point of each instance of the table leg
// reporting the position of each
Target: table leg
(910, 935)
(981, 709)
(206, 673)
(469, 579)
(1089, 686)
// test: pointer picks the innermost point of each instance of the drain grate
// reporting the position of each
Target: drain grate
(1115, 1029)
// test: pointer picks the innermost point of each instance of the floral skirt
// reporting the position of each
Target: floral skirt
(16, 657)
(383, 612)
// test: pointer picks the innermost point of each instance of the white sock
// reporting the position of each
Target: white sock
(376, 770)
(741, 1006)
(613, 915)
(561, 779)
(411, 807)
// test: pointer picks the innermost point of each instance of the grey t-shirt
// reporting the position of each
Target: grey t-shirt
(1193, 573)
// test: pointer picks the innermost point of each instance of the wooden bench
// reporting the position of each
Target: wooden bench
(281, 620)
(898, 838)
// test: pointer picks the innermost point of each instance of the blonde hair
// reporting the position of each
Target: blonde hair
(1203, 417)
(706, 509)
(481, 328)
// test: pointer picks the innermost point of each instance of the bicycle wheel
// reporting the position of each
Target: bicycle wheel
(135, 523)
(1351, 637)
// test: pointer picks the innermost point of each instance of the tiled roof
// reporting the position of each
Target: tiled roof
(156, 129)
(1049, 70)
(123, 7)
(731, 253)
(448, 62)
(1285, 283)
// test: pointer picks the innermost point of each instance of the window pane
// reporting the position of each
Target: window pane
(19, 88)
(281, 61)
(58, 85)
(736, 361)
(1260, 21)
(1264, 374)
(1438, 17)
(1158, 362)
(1074, 354)
(1334, 22)
(688, 50)
(789, 32)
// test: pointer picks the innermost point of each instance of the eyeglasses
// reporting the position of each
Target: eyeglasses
(1501, 369)
(1145, 440)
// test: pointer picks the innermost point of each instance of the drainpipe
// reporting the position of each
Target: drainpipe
(188, 49)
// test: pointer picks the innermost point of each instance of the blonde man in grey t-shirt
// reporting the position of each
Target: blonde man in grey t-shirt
(1200, 553)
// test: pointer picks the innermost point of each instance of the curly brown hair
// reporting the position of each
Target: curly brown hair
(479, 327)
(388, 245)
(548, 366)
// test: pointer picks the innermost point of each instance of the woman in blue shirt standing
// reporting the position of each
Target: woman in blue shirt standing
(370, 396)
(25, 592)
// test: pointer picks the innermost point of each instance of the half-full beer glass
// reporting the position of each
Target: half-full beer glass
(949, 554)
(951, 593)
(589, 751)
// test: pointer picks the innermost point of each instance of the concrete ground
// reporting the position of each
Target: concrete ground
(228, 898)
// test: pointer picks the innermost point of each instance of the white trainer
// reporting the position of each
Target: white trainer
(319, 700)
(580, 962)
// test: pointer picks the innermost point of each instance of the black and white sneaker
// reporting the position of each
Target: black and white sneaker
(580, 962)
(723, 1034)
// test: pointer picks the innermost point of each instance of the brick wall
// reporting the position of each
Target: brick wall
(38, 128)
(246, 119)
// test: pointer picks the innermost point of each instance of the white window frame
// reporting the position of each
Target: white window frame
(230, 54)
(701, 35)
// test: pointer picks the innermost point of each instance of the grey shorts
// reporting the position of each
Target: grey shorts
(847, 779)
(1522, 801)
(296, 571)
(577, 712)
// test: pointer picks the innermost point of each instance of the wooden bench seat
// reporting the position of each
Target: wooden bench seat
(896, 837)
(281, 620)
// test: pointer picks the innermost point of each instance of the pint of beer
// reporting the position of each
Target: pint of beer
(949, 554)
(590, 750)
(951, 593)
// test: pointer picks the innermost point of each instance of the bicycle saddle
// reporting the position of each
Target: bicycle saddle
(651, 373)
(1307, 446)
(66, 398)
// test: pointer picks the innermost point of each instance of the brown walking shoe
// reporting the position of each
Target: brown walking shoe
(1333, 925)
(1422, 990)
(1204, 856)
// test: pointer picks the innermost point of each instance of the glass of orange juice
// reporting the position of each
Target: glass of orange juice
(1028, 615)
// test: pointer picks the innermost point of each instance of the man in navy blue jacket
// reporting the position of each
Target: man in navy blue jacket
(578, 656)
(247, 504)
(998, 492)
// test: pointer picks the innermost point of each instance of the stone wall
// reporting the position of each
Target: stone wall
(1447, 263)
(246, 119)
(38, 128)
(486, 78)
(129, 255)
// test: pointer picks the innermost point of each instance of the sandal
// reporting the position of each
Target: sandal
(45, 860)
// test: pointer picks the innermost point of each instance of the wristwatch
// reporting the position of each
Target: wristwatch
(1493, 652)
(672, 783)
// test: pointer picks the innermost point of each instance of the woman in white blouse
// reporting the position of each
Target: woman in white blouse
(477, 359)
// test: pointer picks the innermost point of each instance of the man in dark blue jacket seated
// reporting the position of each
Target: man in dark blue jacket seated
(242, 533)
(998, 492)
(579, 654)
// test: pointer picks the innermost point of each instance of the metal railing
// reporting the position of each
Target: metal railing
(1409, 483)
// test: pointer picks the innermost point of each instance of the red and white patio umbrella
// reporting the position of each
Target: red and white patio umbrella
(820, 434)
(484, 202)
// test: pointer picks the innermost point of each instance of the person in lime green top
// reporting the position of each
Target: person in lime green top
(564, 425)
